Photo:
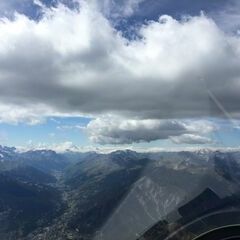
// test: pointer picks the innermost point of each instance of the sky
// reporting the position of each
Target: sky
(137, 74)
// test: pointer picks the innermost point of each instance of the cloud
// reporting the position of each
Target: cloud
(11, 5)
(71, 127)
(73, 62)
(31, 115)
(74, 67)
(191, 139)
(228, 18)
(118, 8)
(112, 130)
(58, 147)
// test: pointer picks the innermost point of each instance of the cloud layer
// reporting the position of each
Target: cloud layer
(110, 130)
(74, 62)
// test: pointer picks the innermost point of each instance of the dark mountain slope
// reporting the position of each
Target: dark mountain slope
(25, 206)
(30, 175)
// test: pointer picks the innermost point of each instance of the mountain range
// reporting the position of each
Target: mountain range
(119, 195)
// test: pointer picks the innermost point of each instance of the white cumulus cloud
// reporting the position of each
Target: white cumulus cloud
(74, 62)
(69, 63)
(191, 139)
